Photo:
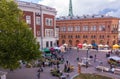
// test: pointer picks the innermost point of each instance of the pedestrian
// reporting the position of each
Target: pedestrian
(77, 58)
(95, 58)
(43, 63)
(38, 75)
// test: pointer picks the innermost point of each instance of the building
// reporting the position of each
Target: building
(98, 29)
(42, 22)
(88, 29)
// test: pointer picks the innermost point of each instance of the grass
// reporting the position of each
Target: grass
(91, 76)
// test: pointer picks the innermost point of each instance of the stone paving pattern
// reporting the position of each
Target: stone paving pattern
(31, 73)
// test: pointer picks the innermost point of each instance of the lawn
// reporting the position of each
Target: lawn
(91, 76)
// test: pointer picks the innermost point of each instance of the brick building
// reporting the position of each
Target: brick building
(99, 29)
(42, 22)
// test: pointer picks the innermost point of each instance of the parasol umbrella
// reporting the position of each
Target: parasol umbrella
(65, 44)
(106, 46)
(46, 50)
(116, 46)
(89, 46)
(62, 48)
(57, 48)
(100, 45)
(80, 45)
(52, 49)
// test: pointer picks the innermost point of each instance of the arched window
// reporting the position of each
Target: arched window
(93, 41)
(85, 41)
(63, 41)
(70, 42)
(101, 42)
(77, 41)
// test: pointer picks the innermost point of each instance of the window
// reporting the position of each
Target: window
(85, 28)
(49, 21)
(70, 28)
(28, 19)
(93, 36)
(101, 37)
(47, 44)
(63, 41)
(49, 33)
(51, 43)
(70, 36)
(108, 36)
(93, 28)
(38, 20)
(102, 28)
(85, 36)
(63, 29)
(77, 28)
(38, 33)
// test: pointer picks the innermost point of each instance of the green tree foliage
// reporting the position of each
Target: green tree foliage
(16, 39)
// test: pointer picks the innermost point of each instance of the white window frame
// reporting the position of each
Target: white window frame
(93, 28)
(49, 21)
(102, 28)
(49, 33)
(77, 28)
(38, 20)
(70, 29)
(28, 19)
(85, 28)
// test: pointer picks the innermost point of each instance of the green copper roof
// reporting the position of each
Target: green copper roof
(70, 9)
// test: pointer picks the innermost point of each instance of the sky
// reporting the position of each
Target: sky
(83, 7)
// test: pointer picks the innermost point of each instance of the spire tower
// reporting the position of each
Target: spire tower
(70, 9)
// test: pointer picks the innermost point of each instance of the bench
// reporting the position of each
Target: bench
(103, 68)
(117, 71)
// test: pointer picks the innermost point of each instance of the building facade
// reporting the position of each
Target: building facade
(99, 29)
(42, 22)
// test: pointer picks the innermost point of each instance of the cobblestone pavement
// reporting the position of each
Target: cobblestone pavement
(31, 73)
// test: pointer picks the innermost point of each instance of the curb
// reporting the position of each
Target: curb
(74, 76)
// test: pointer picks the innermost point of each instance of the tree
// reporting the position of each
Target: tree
(17, 41)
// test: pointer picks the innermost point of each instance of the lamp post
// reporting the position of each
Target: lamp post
(87, 54)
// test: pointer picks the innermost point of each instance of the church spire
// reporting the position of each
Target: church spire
(70, 9)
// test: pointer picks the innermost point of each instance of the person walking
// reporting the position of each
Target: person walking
(95, 57)
(38, 75)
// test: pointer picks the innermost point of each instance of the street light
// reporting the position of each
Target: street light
(87, 54)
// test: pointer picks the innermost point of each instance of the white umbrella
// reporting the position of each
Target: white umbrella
(65, 44)
(57, 48)
(100, 45)
(84, 44)
(106, 45)
(62, 48)
(89, 45)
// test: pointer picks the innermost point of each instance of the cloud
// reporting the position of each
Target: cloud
(84, 7)
(106, 10)
(60, 5)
